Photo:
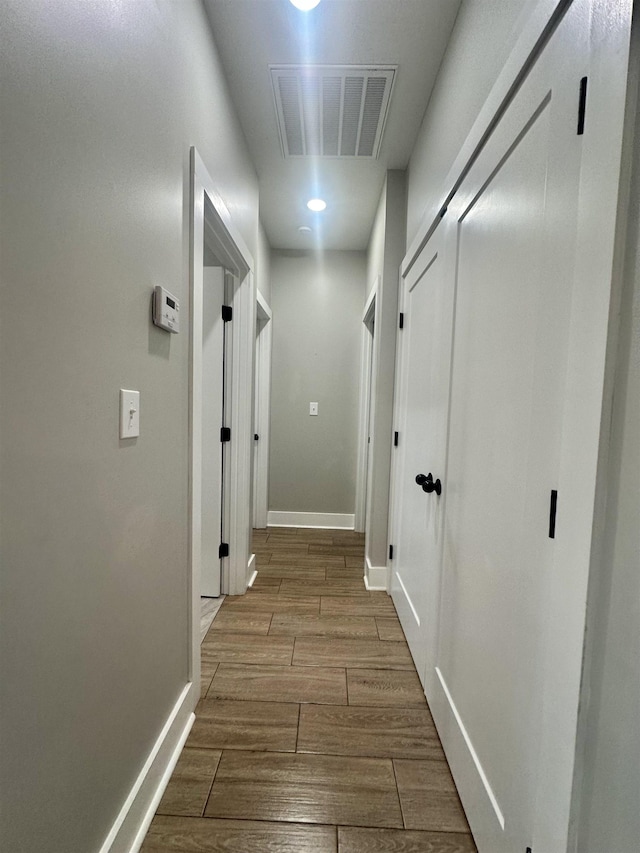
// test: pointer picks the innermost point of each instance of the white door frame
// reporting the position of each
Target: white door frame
(263, 412)
(368, 358)
(211, 223)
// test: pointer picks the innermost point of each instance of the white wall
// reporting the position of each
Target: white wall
(317, 312)
(386, 249)
(100, 103)
(483, 36)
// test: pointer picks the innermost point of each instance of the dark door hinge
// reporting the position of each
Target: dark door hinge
(396, 438)
(401, 321)
(552, 513)
(582, 106)
(223, 550)
(391, 552)
(225, 434)
(227, 313)
(256, 437)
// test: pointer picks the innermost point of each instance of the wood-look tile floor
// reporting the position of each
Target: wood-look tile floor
(313, 734)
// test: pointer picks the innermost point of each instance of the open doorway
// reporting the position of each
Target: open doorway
(261, 418)
(220, 409)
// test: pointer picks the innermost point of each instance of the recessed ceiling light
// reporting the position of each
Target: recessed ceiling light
(316, 204)
(304, 229)
(305, 5)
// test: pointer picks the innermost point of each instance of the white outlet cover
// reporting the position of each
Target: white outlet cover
(313, 408)
(129, 413)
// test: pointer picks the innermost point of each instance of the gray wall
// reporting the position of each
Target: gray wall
(609, 813)
(317, 302)
(100, 103)
(386, 250)
(483, 36)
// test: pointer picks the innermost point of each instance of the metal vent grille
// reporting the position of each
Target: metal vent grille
(331, 111)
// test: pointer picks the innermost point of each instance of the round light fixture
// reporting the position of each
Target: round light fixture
(316, 204)
(304, 229)
(305, 5)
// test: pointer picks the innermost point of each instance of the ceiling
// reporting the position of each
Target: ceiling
(253, 35)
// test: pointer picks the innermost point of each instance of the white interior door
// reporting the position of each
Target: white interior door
(512, 224)
(212, 421)
(425, 353)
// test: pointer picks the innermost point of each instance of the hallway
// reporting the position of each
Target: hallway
(313, 734)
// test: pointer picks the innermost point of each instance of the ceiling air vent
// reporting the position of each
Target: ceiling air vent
(331, 110)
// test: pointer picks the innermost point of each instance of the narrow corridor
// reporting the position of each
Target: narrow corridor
(313, 734)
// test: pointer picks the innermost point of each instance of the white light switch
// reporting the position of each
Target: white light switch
(313, 408)
(129, 414)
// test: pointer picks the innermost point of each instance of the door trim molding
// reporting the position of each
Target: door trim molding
(211, 222)
(367, 356)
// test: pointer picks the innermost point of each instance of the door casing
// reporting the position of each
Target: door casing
(212, 224)
(367, 404)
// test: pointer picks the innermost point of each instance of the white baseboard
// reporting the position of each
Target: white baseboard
(375, 577)
(479, 802)
(254, 575)
(330, 520)
(133, 821)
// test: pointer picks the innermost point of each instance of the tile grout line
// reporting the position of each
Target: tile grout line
(208, 797)
(395, 779)
(298, 729)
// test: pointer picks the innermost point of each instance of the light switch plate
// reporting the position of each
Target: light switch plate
(313, 408)
(129, 414)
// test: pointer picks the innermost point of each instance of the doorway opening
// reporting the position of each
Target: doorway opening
(261, 416)
(220, 410)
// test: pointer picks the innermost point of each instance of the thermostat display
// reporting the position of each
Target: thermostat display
(166, 310)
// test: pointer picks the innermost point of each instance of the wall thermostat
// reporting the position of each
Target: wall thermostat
(166, 310)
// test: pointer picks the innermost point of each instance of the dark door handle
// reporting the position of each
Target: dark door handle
(428, 484)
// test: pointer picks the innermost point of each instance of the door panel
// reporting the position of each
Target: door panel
(512, 226)
(212, 414)
(427, 301)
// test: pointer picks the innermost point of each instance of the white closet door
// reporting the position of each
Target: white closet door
(425, 351)
(512, 223)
